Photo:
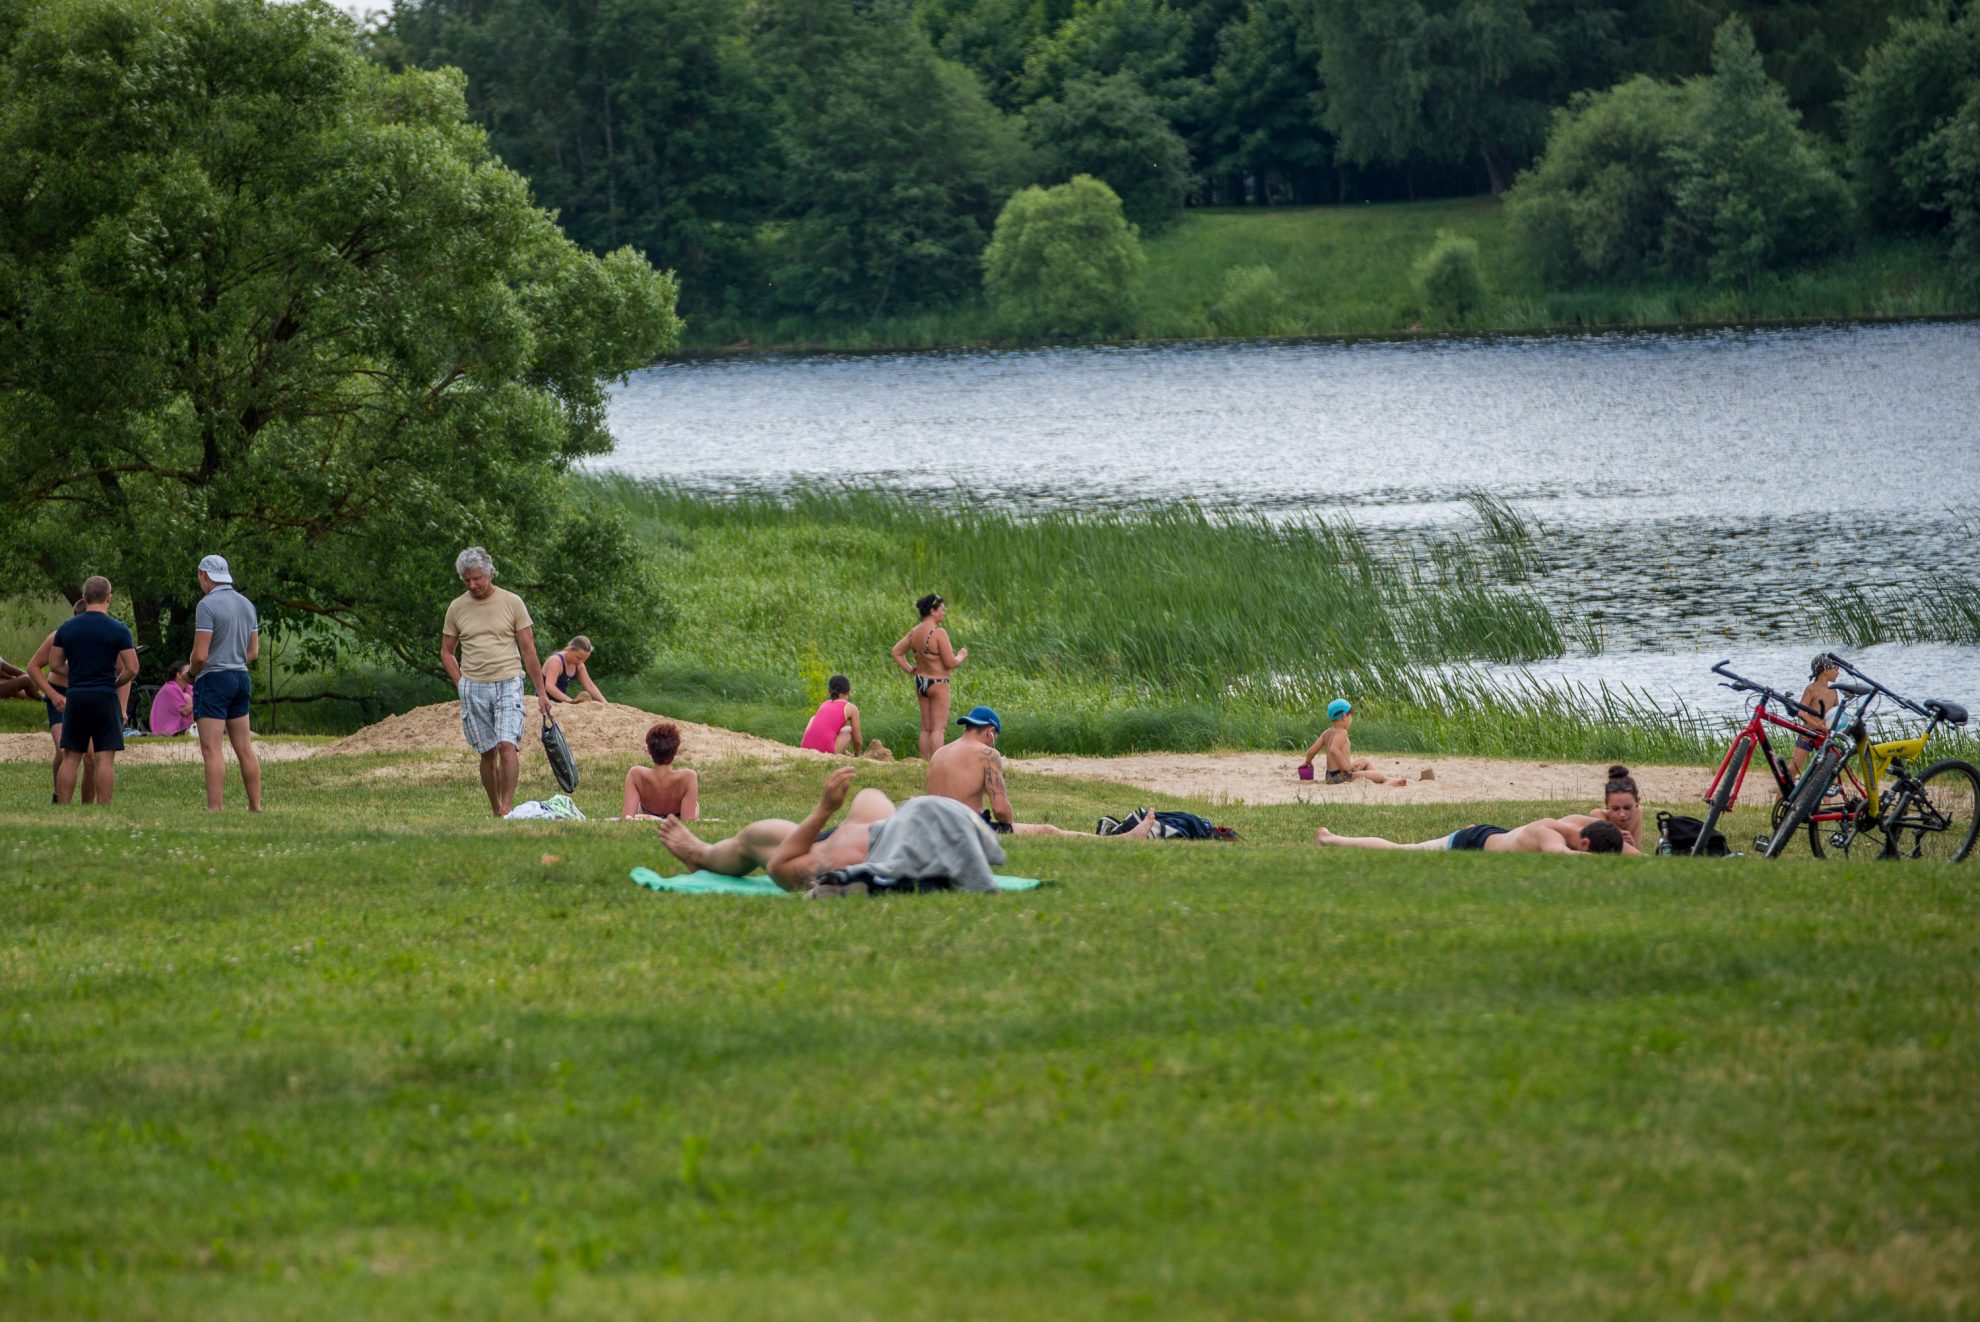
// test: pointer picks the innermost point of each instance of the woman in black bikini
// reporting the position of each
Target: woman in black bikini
(934, 661)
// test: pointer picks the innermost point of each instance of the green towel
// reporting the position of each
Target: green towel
(716, 883)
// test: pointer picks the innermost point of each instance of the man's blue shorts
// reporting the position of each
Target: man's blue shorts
(221, 695)
(93, 718)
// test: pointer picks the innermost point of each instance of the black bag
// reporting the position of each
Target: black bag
(557, 752)
(1681, 834)
(1168, 826)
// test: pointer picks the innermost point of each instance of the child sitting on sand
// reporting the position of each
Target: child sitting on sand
(1342, 765)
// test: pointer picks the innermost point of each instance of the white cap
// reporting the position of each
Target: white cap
(215, 568)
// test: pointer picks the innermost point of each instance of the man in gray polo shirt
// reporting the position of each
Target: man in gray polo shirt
(226, 640)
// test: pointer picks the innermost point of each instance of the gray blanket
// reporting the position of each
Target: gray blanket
(928, 838)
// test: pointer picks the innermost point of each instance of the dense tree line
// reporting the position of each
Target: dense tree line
(848, 158)
(261, 296)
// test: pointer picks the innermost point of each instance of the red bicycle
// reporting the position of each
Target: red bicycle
(1724, 793)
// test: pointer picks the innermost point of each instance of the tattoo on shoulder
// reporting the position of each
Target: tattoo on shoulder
(993, 769)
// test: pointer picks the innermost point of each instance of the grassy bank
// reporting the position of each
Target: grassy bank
(1167, 628)
(1347, 271)
(373, 1055)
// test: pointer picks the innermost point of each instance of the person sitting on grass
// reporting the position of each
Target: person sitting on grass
(971, 771)
(17, 683)
(834, 726)
(172, 706)
(563, 667)
(1342, 765)
(663, 789)
(1545, 836)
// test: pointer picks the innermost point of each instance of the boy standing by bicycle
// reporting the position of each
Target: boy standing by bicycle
(1821, 696)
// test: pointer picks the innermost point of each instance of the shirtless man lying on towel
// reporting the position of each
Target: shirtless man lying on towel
(791, 852)
(1546, 836)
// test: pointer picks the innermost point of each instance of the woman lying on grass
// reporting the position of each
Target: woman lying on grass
(663, 789)
(1547, 836)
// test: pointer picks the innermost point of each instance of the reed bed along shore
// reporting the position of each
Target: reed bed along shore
(1161, 628)
(1169, 627)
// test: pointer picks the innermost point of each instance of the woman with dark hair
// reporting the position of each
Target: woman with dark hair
(172, 706)
(663, 789)
(1622, 808)
(834, 726)
(934, 662)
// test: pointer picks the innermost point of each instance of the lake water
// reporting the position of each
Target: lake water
(1689, 487)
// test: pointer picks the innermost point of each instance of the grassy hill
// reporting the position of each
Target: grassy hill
(1346, 270)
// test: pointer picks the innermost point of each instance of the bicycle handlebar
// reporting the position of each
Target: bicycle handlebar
(1741, 683)
(1898, 698)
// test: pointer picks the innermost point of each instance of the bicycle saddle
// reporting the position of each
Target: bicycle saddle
(1949, 712)
(1851, 687)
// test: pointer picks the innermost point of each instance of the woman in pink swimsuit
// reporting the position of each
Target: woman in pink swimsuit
(834, 726)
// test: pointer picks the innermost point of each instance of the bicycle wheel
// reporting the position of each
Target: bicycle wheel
(1936, 819)
(1722, 792)
(1807, 798)
(1814, 830)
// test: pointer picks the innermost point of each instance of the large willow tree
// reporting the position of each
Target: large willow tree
(259, 295)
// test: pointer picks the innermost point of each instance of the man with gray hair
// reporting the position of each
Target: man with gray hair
(226, 641)
(486, 643)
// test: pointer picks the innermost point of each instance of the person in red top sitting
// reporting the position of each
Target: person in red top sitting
(834, 726)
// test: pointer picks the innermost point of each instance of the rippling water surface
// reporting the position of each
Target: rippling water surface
(1690, 487)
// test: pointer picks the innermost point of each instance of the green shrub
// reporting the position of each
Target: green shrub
(1593, 206)
(1064, 262)
(1253, 301)
(1448, 279)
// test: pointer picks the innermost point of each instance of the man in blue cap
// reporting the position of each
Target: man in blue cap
(970, 770)
(1342, 765)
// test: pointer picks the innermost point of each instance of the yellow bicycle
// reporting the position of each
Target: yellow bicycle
(1929, 814)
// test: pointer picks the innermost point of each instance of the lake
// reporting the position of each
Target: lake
(1689, 487)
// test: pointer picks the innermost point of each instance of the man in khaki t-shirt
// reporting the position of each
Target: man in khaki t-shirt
(486, 644)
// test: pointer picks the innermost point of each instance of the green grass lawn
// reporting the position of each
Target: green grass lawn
(373, 1054)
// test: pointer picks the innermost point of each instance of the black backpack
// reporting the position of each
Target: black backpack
(1681, 835)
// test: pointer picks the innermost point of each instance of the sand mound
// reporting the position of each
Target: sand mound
(599, 733)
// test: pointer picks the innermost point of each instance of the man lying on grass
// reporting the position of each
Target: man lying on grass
(1547, 836)
(908, 842)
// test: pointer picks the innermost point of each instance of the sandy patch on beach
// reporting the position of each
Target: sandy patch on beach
(598, 733)
(150, 752)
(1262, 778)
